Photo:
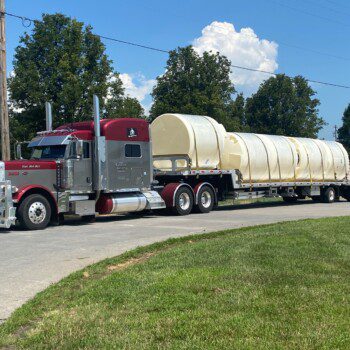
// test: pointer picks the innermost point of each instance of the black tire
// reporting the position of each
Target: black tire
(183, 201)
(34, 212)
(290, 199)
(329, 195)
(206, 200)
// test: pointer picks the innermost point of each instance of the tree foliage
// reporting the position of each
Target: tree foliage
(236, 120)
(284, 106)
(63, 62)
(344, 130)
(194, 84)
(120, 106)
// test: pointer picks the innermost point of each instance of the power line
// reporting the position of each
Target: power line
(282, 43)
(337, 4)
(314, 51)
(309, 80)
(316, 3)
(310, 13)
(26, 22)
(132, 44)
(167, 51)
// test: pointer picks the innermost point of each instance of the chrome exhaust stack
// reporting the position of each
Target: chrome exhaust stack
(99, 163)
(48, 111)
(96, 111)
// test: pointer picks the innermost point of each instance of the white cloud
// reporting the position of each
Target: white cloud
(137, 86)
(242, 48)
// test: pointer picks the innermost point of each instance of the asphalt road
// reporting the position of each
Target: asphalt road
(32, 260)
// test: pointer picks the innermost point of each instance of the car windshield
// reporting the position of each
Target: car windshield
(49, 152)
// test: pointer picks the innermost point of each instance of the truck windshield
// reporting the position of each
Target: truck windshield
(49, 152)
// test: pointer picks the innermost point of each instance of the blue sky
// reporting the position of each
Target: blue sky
(317, 25)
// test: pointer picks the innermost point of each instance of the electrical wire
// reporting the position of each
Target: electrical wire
(281, 43)
(310, 13)
(317, 4)
(132, 44)
(309, 80)
(26, 19)
(26, 22)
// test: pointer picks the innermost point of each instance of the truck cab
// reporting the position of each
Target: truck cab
(82, 168)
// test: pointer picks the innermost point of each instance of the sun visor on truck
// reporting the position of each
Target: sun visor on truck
(50, 141)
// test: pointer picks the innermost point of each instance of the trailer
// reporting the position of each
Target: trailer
(109, 167)
(201, 191)
(197, 156)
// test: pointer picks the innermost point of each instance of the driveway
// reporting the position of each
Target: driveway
(32, 260)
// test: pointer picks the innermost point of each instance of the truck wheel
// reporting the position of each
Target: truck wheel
(34, 212)
(328, 195)
(290, 199)
(206, 200)
(183, 201)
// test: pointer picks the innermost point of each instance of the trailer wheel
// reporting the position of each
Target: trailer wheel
(206, 199)
(183, 201)
(328, 195)
(34, 212)
(290, 199)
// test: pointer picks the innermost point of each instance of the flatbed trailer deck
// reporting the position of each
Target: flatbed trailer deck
(228, 184)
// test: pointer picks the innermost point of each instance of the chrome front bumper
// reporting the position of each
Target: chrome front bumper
(7, 210)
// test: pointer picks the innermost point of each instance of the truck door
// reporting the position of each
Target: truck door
(80, 167)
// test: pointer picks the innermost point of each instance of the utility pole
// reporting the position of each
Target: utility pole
(5, 133)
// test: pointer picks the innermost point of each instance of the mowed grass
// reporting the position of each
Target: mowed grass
(281, 286)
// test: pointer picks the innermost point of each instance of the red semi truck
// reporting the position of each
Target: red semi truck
(106, 166)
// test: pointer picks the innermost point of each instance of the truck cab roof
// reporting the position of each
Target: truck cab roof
(122, 129)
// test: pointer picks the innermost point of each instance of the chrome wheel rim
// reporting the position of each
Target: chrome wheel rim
(206, 199)
(331, 195)
(184, 201)
(37, 212)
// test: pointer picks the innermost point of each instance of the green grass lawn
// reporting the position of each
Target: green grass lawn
(281, 286)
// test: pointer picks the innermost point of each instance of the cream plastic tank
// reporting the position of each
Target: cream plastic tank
(320, 160)
(259, 158)
(199, 137)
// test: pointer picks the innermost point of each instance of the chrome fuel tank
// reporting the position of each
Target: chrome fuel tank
(128, 203)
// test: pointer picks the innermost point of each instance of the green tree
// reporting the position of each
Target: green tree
(61, 61)
(194, 84)
(344, 131)
(284, 106)
(236, 120)
(119, 106)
